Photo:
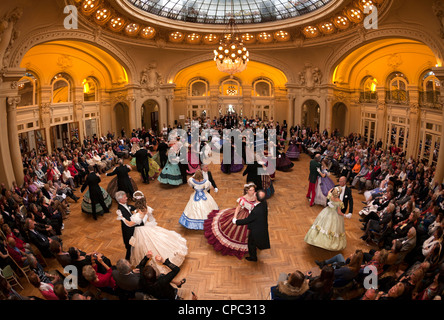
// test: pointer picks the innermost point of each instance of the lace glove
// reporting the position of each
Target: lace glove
(234, 220)
(348, 215)
(216, 190)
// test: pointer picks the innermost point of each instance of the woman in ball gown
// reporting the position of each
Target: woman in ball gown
(86, 202)
(226, 237)
(155, 168)
(328, 231)
(323, 186)
(293, 151)
(200, 205)
(193, 158)
(268, 175)
(283, 163)
(171, 174)
(236, 160)
(148, 236)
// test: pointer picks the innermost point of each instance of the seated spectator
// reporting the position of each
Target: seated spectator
(321, 287)
(127, 279)
(67, 178)
(434, 290)
(159, 286)
(53, 276)
(293, 286)
(41, 241)
(62, 257)
(80, 259)
(19, 256)
(395, 293)
(104, 282)
(46, 289)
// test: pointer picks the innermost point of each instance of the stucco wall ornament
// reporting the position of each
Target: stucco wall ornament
(8, 33)
(310, 77)
(438, 10)
(150, 79)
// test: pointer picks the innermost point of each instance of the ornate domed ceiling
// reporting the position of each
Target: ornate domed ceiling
(201, 22)
(220, 11)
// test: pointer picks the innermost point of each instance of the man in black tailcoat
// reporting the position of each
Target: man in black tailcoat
(142, 163)
(124, 211)
(257, 222)
(95, 192)
(123, 180)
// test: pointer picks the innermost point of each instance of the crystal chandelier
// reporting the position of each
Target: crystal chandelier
(231, 55)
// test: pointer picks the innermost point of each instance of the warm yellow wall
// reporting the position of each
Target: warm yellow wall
(209, 71)
(76, 58)
(380, 58)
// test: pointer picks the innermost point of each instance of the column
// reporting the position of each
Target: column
(290, 111)
(247, 101)
(132, 114)
(163, 112)
(414, 127)
(45, 123)
(78, 116)
(381, 117)
(297, 114)
(328, 113)
(439, 173)
(14, 146)
(170, 110)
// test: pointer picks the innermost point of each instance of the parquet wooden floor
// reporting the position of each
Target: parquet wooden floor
(209, 274)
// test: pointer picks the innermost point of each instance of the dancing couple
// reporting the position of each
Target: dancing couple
(142, 234)
(236, 231)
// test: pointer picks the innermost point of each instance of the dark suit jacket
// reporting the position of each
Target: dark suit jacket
(142, 159)
(210, 178)
(127, 232)
(123, 180)
(313, 176)
(92, 181)
(128, 282)
(257, 223)
(40, 241)
(348, 200)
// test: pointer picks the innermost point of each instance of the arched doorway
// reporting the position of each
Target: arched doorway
(121, 112)
(311, 114)
(339, 118)
(150, 115)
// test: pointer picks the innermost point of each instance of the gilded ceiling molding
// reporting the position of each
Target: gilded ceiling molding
(40, 37)
(388, 31)
(282, 66)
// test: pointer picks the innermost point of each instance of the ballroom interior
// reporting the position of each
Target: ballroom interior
(326, 64)
(75, 68)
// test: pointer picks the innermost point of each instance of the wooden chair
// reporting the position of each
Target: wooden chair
(24, 270)
(10, 276)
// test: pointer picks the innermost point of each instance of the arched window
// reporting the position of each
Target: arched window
(262, 88)
(430, 89)
(27, 90)
(61, 88)
(90, 89)
(397, 86)
(198, 88)
(368, 89)
(231, 87)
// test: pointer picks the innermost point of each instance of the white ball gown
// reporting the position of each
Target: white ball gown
(199, 206)
(160, 241)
